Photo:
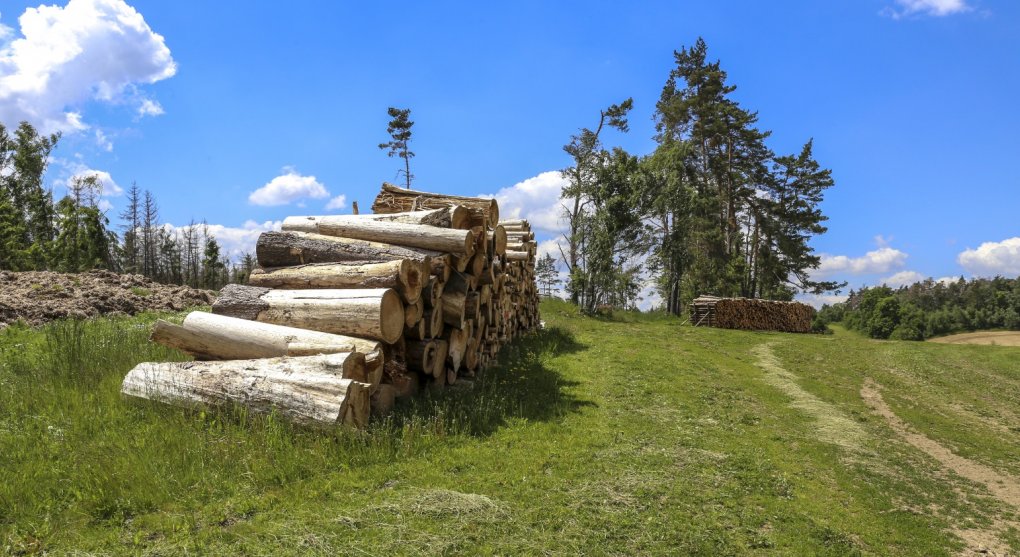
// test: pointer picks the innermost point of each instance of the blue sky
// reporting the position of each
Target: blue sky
(912, 104)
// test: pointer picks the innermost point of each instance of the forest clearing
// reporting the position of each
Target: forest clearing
(620, 292)
(712, 442)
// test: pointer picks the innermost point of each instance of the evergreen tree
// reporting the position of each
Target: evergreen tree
(132, 218)
(83, 241)
(786, 215)
(399, 129)
(28, 217)
(150, 236)
(212, 266)
(546, 274)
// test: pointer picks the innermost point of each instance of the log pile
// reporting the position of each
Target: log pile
(751, 314)
(346, 313)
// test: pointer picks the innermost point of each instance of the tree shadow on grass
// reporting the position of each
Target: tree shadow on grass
(519, 385)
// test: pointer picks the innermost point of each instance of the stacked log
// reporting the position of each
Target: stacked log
(424, 292)
(751, 314)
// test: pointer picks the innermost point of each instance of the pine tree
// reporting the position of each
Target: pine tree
(83, 241)
(132, 218)
(399, 129)
(212, 266)
(150, 236)
(28, 221)
(546, 274)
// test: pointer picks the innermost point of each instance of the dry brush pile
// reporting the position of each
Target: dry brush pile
(751, 314)
(348, 312)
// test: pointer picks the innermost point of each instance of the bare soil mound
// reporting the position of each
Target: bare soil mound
(1000, 338)
(38, 297)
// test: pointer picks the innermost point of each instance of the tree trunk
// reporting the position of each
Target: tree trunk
(413, 235)
(457, 342)
(207, 336)
(307, 390)
(402, 275)
(442, 351)
(374, 313)
(392, 199)
(283, 249)
(498, 238)
(421, 356)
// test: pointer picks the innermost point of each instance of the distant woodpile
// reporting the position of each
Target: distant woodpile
(348, 312)
(750, 314)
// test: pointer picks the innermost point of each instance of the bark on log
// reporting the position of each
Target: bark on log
(453, 309)
(307, 390)
(374, 313)
(393, 199)
(421, 356)
(402, 275)
(220, 337)
(498, 238)
(283, 249)
(457, 342)
(416, 331)
(413, 235)
(413, 313)
(207, 336)
(433, 319)
(433, 292)
(406, 383)
(383, 401)
(442, 351)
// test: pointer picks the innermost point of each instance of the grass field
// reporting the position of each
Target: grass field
(634, 435)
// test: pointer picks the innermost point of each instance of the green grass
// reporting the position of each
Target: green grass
(624, 435)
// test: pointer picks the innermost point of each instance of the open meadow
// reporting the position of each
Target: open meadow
(633, 435)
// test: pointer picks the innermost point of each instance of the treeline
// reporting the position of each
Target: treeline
(712, 210)
(74, 234)
(929, 308)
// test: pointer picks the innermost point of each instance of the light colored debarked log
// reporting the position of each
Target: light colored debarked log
(403, 275)
(208, 336)
(307, 389)
(284, 249)
(392, 199)
(413, 235)
(374, 313)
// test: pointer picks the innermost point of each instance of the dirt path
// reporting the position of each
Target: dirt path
(997, 338)
(1004, 487)
(833, 426)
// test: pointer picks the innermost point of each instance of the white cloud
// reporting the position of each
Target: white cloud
(818, 300)
(5, 32)
(79, 170)
(338, 202)
(286, 188)
(536, 199)
(88, 50)
(882, 260)
(552, 247)
(103, 141)
(937, 8)
(234, 241)
(902, 278)
(993, 258)
(948, 280)
(149, 107)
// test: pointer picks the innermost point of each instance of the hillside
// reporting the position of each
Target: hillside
(631, 435)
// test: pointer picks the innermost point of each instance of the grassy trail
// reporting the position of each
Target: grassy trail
(634, 435)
